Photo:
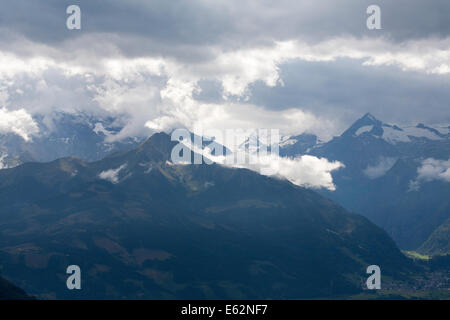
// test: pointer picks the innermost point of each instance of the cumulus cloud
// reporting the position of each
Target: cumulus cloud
(149, 69)
(433, 169)
(112, 175)
(306, 171)
(168, 27)
(180, 109)
(163, 92)
(294, 66)
(18, 122)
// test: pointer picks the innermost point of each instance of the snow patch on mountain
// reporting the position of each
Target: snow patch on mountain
(444, 129)
(148, 167)
(363, 129)
(287, 141)
(394, 134)
(99, 128)
(3, 164)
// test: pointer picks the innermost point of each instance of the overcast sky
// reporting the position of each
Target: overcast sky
(293, 65)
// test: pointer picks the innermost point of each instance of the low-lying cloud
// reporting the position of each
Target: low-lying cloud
(431, 170)
(18, 122)
(112, 175)
(305, 171)
(148, 69)
(378, 170)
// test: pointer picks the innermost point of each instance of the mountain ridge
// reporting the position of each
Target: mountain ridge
(381, 176)
(181, 231)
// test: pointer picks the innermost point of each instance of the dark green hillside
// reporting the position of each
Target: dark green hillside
(439, 241)
(8, 291)
(157, 230)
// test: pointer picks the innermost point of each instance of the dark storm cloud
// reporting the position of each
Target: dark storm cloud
(178, 27)
(345, 90)
(191, 37)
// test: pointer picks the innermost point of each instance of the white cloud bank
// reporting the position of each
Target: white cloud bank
(305, 171)
(19, 122)
(160, 92)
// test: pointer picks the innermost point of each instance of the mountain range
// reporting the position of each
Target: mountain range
(141, 227)
(380, 179)
(398, 177)
(438, 243)
(61, 135)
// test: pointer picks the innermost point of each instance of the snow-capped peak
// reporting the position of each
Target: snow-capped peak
(395, 134)
(369, 125)
(368, 116)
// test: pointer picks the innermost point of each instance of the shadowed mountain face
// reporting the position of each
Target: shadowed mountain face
(380, 179)
(142, 227)
(439, 241)
(8, 291)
